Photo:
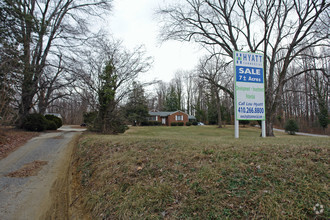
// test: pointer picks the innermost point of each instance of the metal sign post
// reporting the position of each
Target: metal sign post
(249, 89)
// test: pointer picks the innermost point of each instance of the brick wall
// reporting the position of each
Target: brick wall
(172, 117)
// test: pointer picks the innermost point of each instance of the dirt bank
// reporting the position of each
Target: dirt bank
(35, 179)
(64, 195)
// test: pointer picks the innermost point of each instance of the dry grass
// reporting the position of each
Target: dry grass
(203, 173)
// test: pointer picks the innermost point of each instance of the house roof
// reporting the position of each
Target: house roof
(191, 117)
(165, 114)
(161, 114)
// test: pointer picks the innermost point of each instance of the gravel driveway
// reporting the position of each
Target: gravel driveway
(29, 197)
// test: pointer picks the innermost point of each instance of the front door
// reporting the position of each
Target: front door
(163, 121)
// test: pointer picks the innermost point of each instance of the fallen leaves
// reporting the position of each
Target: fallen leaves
(29, 169)
(11, 139)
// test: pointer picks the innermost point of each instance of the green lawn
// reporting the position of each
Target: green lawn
(203, 173)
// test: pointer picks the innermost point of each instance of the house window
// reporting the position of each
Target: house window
(153, 118)
(179, 117)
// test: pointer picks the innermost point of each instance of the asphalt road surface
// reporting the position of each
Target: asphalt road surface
(303, 134)
(30, 197)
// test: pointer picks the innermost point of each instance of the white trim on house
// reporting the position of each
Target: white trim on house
(179, 117)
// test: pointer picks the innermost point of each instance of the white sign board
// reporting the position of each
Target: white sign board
(249, 86)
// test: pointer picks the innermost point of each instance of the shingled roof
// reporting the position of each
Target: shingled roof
(165, 114)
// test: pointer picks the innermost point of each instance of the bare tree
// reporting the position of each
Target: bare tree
(219, 75)
(107, 70)
(281, 30)
(55, 83)
(179, 88)
(188, 77)
(43, 28)
(90, 64)
(200, 99)
(161, 91)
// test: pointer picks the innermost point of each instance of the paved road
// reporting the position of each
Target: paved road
(29, 197)
(304, 134)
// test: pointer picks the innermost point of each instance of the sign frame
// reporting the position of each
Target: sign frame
(249, 88)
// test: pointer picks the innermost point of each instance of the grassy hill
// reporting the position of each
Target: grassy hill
(203, 173)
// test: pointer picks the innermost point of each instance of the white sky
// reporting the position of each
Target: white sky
(134, 22)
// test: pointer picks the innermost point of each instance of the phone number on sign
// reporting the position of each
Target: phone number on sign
(250, 110)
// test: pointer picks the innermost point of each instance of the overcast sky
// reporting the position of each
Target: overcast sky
(134, 22)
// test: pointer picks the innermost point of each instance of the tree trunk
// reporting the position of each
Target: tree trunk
(269, 125)
(28, 88)
(26, 104)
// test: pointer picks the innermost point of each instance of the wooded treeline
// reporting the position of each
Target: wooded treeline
(283, 31)
(51, 60)
(198, 92)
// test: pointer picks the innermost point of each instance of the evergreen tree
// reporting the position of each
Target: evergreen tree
(136, 109)
(321, 98)
(172, 101)
(323, 117)
(109, 118)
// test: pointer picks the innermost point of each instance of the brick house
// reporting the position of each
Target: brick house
(166, 118)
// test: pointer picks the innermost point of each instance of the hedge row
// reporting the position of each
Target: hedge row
(151, 123)
(177, 124)
(157, 123)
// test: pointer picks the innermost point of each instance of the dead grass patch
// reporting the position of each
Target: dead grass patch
(29, 169)
(203, 173)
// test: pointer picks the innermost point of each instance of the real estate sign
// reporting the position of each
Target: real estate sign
(249, 86)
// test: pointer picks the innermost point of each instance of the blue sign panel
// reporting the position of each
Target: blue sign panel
(249, 74)
(249, 86)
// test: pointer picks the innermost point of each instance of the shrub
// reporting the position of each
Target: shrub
(323, 118)
(51, 125)
(291, 126)
(121, 128)
(157, 123)
(55, 119)
(174, 124)
(145, 123)
(35, 122)
(89, 117)
(154, 123)
(188, 123)
(244, 122)
(180, 123)
(195, 123)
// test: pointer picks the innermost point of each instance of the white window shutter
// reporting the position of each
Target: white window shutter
(176, 117)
